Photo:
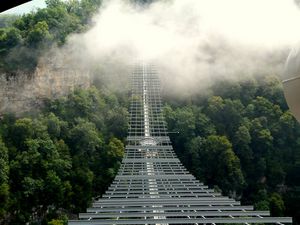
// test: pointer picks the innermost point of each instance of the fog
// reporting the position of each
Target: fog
(192, 42)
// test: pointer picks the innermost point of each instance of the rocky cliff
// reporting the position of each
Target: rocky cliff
(22, 91)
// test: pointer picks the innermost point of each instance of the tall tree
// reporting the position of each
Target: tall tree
(4, 176)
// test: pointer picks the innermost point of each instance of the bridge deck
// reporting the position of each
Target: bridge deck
(152, 186)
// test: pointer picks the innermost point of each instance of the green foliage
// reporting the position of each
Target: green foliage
(3, 163)
(262, 205)
(56, 222)
(243, 139)
(4, 176)
(60, 158)
(84, 139)
(115, 149)
(217, 163)
(24, 39)
(277, 207)
(38, 34)
(61, 220)
(10, 37)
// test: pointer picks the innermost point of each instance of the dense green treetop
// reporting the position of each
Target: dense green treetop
(23, 39)
(60, 158)
(243, 139)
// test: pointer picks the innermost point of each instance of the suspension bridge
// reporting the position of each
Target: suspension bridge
(152, 186)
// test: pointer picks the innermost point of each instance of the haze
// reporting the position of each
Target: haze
(193, 42)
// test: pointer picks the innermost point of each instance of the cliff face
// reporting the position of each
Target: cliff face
(22, 92)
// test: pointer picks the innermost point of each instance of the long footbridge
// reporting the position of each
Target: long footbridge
(152, 186)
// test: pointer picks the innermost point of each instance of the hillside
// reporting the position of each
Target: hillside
(236, 136)
(243, 140)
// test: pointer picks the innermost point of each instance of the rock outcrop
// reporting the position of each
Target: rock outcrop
(22, 91)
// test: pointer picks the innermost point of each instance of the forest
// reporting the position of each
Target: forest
(53, 163)
(23, 39)
(239, 138)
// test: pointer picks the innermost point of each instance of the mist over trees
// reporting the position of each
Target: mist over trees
(23, 39)
(239, 138)
(245, 145)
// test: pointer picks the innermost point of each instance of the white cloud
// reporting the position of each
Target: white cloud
(195, 41)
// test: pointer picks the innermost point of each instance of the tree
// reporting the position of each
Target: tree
(56, 222)
(262, 205)
(84, 139)
(203, 125)
(262, 139)
(55, 126)
(9, 38)
(22, 130)
(115, 150)
(195, 159)
(117, 122)
(215, 105)
(249, 88)
(275, 173)
(277, 207)
(253, 116)
(38, 34)
(241, 146)
(232, 116)
(228, 89)
(271, 88)
(219, 165)
(184, 122)
(262, 107)
(82, 184)
(4, 175)
(40, 171)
